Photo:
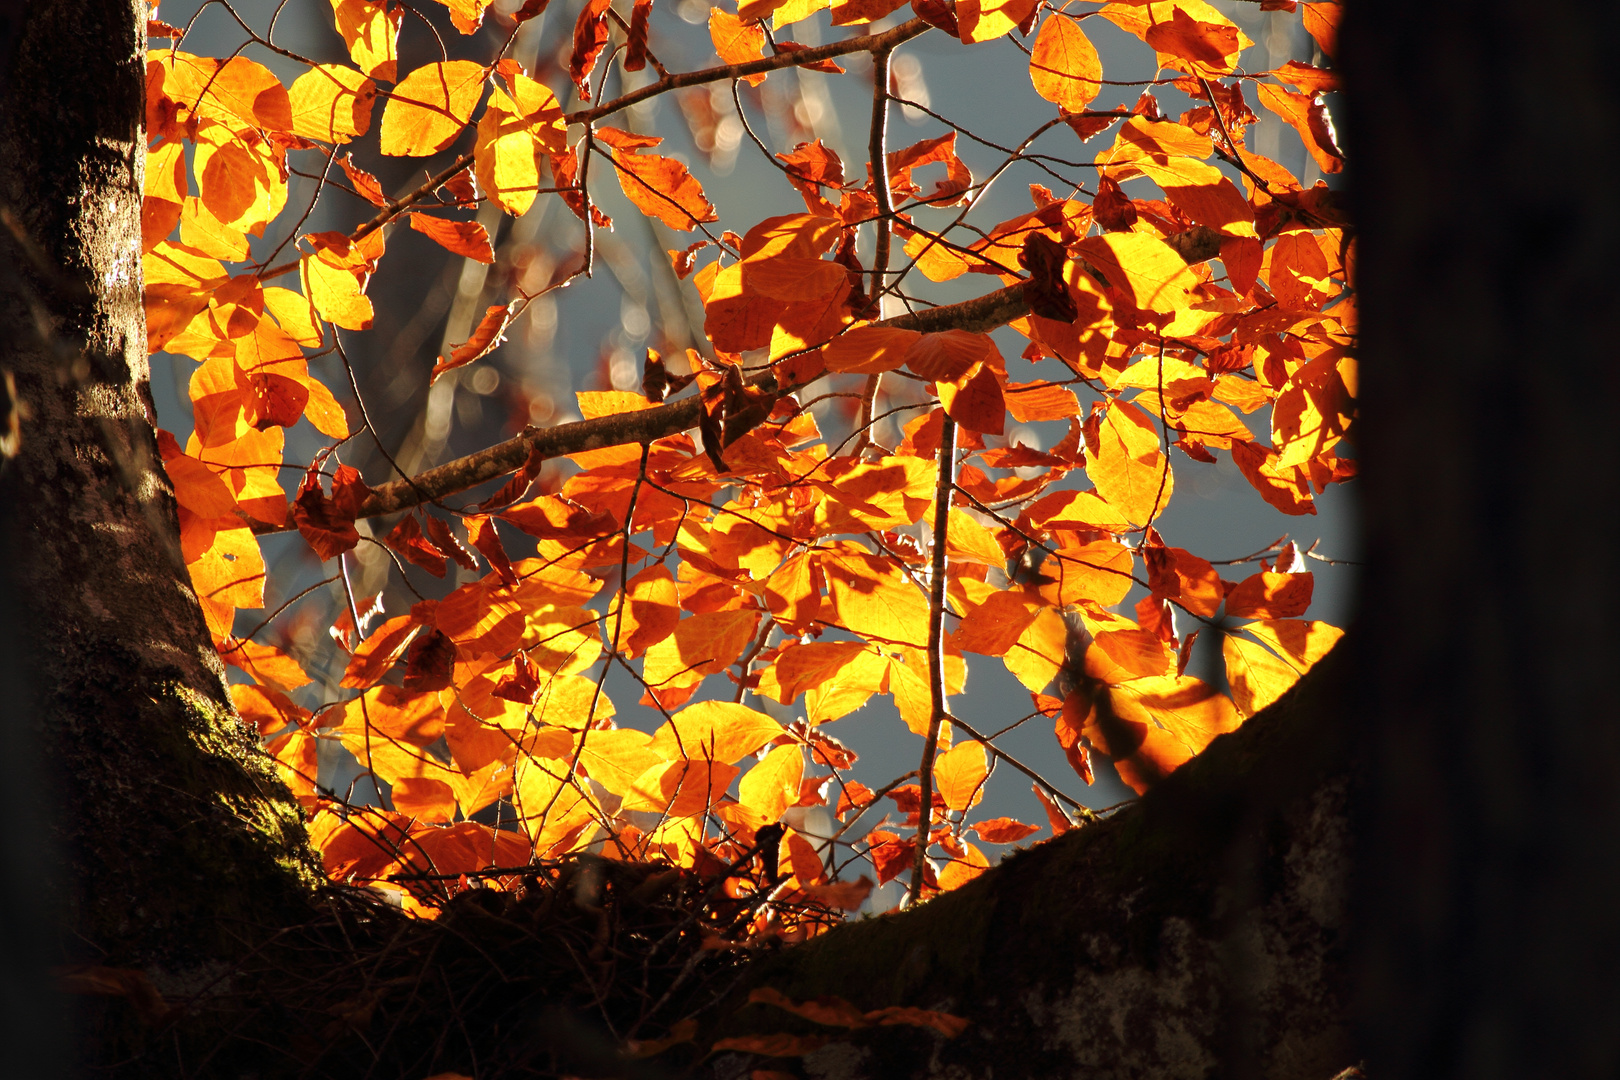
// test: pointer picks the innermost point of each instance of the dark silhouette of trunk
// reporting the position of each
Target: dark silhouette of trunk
(175, 840)
(1486, 139)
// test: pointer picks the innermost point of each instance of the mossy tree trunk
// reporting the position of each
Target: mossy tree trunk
(175, 838)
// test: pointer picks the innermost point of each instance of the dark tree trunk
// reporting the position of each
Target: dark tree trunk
(1486, 142)
(175, 838)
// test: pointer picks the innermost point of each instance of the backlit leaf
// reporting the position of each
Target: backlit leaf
(429, 107)
(1064, 65)
(332, 103)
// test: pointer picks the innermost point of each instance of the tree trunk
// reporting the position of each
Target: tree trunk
(1486, 141)
(176, 839)
(1198, 933)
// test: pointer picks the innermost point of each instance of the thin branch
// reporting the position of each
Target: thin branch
(979, 315)
(936, 649)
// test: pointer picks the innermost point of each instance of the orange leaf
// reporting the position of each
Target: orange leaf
(1179, 575)
(590, 36)
(266, 709)
(959, 774)
(663, 188)
(868, 350)
(1211, 47)
(1064, 65)
(1003, 830)
(1322, 23)
(976, 404)
(486, 337)
(466, 15)
(1281, 486)
(704, 644)
(331, 103)
(407, 539)
(1270, 596)
(957, 872)
(429, 107)
(949, 355)
(653, 611)
(737, 41)
(375, 655)
(460, 237)
(1309, 117)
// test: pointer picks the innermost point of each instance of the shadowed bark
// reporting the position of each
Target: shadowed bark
(174, 832)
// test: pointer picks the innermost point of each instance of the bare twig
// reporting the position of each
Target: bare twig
(936, 649)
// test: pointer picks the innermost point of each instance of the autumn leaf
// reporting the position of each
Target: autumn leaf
(516, 135)
(428, 108)
(737, 41)
(986, 20)
(1309, 117)
(370, 29)
(1064, 65)
(590, 37)
(466, 238)
(660, 187)
(959, 774)
(331, 103)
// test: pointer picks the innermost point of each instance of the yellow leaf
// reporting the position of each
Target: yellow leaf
(615, 758)
(773, 785)
(959, 774)
(562, 641)
(332, 103)
(202, 231)
(1143, 267)
(714, 730)
(515, 134)
(370, 29)
(681, 788)
(338, 293)
(1040, 650)
(1064, 65)
(429, 107)
(966, 539)
(1257, 676)
(294, 314)
(872, 598)
(985, 20)
(239, 177)
(1130, 470)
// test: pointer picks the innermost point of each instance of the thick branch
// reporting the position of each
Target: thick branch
(979, 315)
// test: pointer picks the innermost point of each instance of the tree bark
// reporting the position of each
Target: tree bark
(1200, 932)
(1485, 139)
(176, 838)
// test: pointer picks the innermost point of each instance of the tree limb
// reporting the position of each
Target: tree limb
(979, 315)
